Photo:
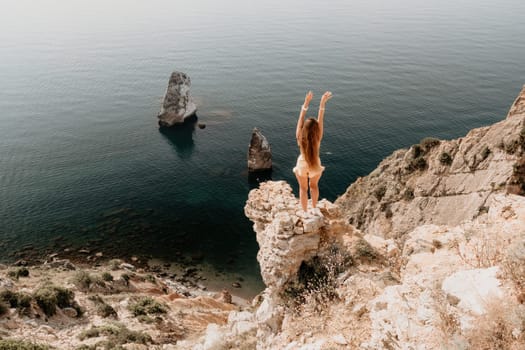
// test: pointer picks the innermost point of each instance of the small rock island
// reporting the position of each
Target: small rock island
(178, 104)
(259, 153)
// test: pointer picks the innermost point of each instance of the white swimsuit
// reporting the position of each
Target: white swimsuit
(302, 168)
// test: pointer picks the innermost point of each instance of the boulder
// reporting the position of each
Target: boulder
(178, 104)
(259, 153)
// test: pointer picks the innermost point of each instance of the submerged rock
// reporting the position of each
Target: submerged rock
(259, 153)
(178, 104)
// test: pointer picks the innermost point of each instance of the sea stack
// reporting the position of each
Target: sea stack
(259, 153)
(178, 104)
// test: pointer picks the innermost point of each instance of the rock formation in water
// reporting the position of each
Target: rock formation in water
(259, 153)
(178, 104)
(441, 182)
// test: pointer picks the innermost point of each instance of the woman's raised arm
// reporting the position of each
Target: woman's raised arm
(320, 116)
(300, 122)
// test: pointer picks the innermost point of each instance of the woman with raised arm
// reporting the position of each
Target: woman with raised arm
(309, 133)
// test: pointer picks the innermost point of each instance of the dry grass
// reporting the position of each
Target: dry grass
(514, 266)
(481, 252)
(448, 322)
(501, 327)
(316, 283)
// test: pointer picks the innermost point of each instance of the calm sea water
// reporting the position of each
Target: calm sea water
(82, 159)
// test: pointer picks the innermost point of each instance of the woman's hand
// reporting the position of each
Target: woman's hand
(326, 96)
(308, 98)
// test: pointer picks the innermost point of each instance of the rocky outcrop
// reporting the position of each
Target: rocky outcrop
(452, 279)
(441, 182)
(178, 104)
(291, 242)
(433, 291)
(259, 153)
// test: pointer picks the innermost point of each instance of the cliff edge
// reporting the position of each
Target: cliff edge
(441, 182)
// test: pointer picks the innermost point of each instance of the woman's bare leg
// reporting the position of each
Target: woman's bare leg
(303, 190)
(314, 189)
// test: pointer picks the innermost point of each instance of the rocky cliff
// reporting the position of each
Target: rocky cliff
(441, 182)
(426, 252)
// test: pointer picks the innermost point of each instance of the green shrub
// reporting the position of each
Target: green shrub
(117, 335)
(46, 299)
(3, 308)
(9, 297)
(512, 146)
(522, 137)
(408, 195)
(24, 301)
(363, 249)
(49, 297)
(105, 310)
(125, 277)
(93, 332)
(429, 142)
(22, 272)
(379, 192)
(147, 305)
(106, 276)
(114, 264)
(65, 297)
(417, 151)
(82, 280)
(145, 319)
(485, 153)
(85, 281)
(17, 273)
(14, 299)
(151, 278)
(10, 344)
(418, 163)
(445, 158)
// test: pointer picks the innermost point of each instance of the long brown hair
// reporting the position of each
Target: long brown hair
(310, 140)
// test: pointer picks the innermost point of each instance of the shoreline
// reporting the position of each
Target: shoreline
(192, 272)
(107, 294)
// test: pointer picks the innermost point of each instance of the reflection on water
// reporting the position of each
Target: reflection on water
(181, 136)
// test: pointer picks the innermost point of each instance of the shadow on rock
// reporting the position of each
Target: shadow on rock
(181, 136)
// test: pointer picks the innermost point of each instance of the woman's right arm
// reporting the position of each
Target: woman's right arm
(300, 122)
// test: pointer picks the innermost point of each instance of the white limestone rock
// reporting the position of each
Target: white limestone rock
(474, 288)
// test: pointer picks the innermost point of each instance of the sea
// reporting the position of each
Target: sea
(83, 162)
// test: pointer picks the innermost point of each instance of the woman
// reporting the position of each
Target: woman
(309, 134)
